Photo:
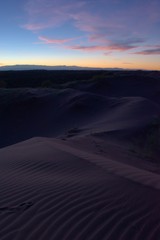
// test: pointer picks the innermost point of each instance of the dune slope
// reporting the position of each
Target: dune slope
(52, 191)
(81, 163)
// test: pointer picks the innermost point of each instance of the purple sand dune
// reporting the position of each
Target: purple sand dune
(72, 174)
(27, 113)
(53, 191)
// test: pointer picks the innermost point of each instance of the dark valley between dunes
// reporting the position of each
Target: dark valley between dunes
(80, 155)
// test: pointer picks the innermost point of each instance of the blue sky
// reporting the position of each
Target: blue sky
(104, 33)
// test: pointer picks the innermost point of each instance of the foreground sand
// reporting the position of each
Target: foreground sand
(51, 190)
(80, 164)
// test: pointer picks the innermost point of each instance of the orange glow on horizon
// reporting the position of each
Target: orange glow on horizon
(99, 62)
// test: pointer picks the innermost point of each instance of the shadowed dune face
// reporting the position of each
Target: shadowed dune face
(27, 113)
(121, 108)
(125, 85)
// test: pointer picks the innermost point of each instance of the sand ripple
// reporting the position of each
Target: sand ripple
(53, 191)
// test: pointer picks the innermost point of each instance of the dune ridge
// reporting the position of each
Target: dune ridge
(62, 110)
(130, 172)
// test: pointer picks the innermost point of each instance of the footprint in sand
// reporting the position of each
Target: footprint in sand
(17, 208)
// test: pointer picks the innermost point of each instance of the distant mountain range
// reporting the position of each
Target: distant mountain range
(43, 67)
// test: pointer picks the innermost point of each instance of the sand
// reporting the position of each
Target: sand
(70, 168)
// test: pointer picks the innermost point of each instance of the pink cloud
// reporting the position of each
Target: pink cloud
(107, 23)
(113, 47)
(121, 47)
(152, 51)
(89, 48)
(91, 17)
(99, 38)
(152, 11)
(46, 40)
(44, 14)
(108, 46)
(34, 27)
(98, 26)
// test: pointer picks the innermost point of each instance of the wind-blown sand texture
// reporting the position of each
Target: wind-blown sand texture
(70, 168)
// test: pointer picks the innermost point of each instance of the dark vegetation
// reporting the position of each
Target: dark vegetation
(42, 78)
(66, 78)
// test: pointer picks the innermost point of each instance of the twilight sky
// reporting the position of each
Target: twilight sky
(94, 33)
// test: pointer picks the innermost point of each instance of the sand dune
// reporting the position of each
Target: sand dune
(62, 110)
(52, 191)
(80, 164)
